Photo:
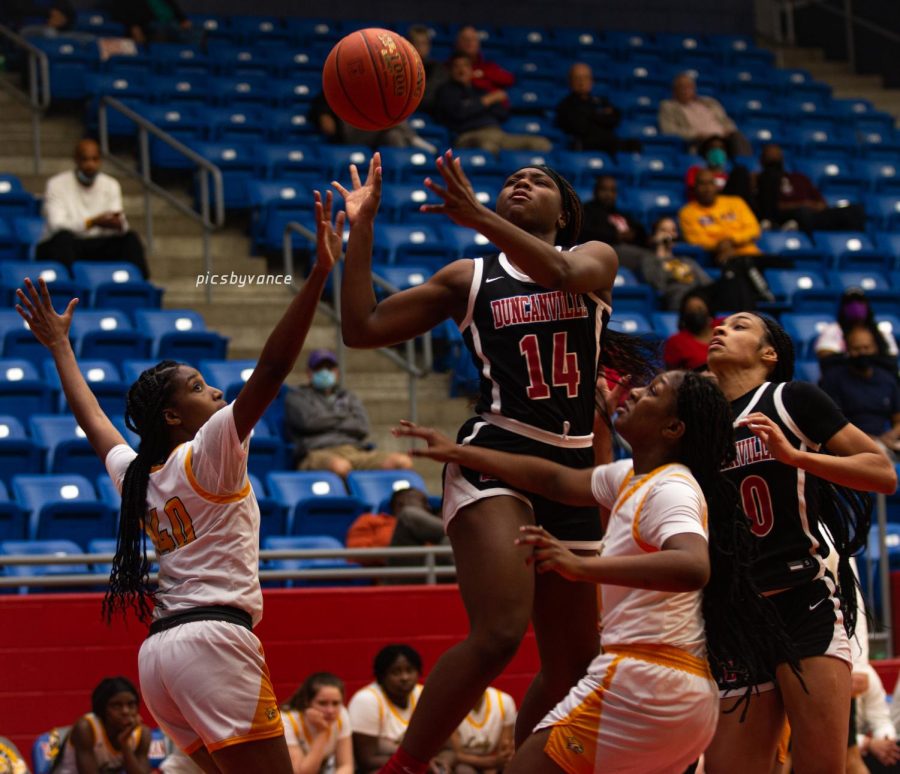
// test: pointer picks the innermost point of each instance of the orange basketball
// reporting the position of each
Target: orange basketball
(373, 79)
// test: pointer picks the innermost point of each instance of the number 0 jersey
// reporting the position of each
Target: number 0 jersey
(780, 500)
(536, 351)
(203, 518)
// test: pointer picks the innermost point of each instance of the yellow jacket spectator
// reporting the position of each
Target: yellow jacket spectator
(713, 220)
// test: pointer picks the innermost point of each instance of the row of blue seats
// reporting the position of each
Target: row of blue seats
(68, 506)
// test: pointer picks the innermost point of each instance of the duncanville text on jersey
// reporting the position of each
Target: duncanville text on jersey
(537, 307)
(748, 451)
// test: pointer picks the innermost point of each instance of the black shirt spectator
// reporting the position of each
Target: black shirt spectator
(590, 120)
(154, 20)
(436, 73)
(605, 222)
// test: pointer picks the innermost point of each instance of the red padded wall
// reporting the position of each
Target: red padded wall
(54, 648)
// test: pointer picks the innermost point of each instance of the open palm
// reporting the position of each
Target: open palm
(362, 201)
(329, 236)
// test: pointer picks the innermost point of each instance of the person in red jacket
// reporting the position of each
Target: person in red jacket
(486, 76)
(686, 350)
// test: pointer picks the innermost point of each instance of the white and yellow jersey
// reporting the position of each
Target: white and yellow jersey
(203, 519)
(480, 731)
(374, 714)
(107, 758)
(299, 733)
(646, 511)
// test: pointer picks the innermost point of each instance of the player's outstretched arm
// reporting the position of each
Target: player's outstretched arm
(280, 352)
(52, 330)
(365, 323)
(589, 267)
(533, 474)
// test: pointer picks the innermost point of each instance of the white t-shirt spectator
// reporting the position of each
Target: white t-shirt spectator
(298, 733)
(831, 339)
(68, 204)
(372, 713)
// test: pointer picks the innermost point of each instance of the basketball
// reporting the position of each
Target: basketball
(373, 79)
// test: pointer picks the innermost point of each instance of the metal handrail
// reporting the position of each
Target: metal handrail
(429, 569)
(210, 217)
(407, 361)
(38, 97)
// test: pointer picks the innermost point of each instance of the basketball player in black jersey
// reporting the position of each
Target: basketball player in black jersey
(532, 318)
(788, 489)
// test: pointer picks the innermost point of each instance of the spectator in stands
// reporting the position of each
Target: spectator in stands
(590, 120)
(334, 129)
(605, 222)
(473, 115)
(156, 21)
(57, 16)
(687, 348)
(11, 761)
(84, 218)
(380, 711)
(694, 118)
(791, 200)
(410, 522)
(732, 178)
(727, 227)
(329, 426)
(486, 75)
(111, 737)
(317, 727)
(436, 73)
(672, 276)
(484, 741)
(866, 392)
(853, 309)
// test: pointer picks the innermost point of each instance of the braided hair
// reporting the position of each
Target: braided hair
(129, 579)
(845, 513)
(744, 632)
(304, 695)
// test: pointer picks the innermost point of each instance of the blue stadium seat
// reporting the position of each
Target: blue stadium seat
(844, 247)
(869, 281)
(272, 514)
(107, 492)
(15, 201)
(828, 172)
(396, 242)
(98, 23)
(70, 61)
(102, 546)
(883, 210)
(889, 244)
(116, 286)
(317, 502)
(401, 277)
(107, 335)
(816, 301)
(808, 371)
(227, 375)
(63, 507)
(401, 202)
(18, 452)
(276, 543)
(237, 61)
(22, 391)
(785, 282)
(168, 58)
(180, 334)
(41, 548)
(17, 339)
(649, 204)
(288, 124)
(583, 167)
(280, 160)
(650, 168)
(13, 518)
(236, 123)
(238, 166)
(879, 174)
(130, 89)
(336, 160)
(260, 30)
(665, 323)
(791, 244)
(56, 275)
(479, 162)
(180, 91)
(103, 378)
(805, 329)
(68, 450)
(463, 242)
(240, 92)
(631, 322)
(372, 486)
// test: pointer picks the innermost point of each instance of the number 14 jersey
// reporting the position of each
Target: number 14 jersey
(536, 351)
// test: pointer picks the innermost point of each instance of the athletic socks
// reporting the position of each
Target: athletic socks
(402, 762)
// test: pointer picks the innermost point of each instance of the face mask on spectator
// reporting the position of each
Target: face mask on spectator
(84, 178)
(324, 379)
(861, 362)
(855, 311)
(694, 322)
(716, 157)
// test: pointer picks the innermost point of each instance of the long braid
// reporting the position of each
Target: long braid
(743, 629)
(129, 579)
(845, 513)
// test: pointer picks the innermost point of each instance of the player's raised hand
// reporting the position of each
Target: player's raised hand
(361, 202)
(440, 447)
(329, 236)
(460, 203)
(549, 554)
(772, 436)
(36, 308)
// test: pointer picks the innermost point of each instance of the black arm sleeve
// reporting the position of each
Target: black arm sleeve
(816, 414)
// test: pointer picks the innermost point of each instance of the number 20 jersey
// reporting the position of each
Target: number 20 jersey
(536, 350)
